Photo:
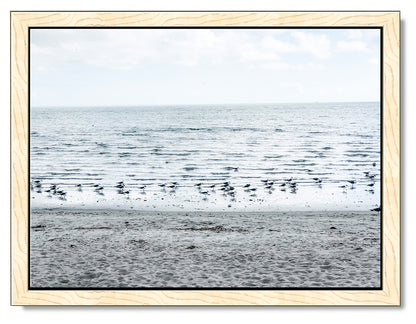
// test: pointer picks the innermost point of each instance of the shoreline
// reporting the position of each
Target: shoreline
(269, 210)
(121, 209)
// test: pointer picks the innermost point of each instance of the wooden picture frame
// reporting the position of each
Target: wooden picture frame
(389, 295)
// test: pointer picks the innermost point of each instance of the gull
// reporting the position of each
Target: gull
(120, 185)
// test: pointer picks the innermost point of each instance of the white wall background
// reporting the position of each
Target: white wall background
(404, 314)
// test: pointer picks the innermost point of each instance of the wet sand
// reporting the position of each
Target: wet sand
(75, 248)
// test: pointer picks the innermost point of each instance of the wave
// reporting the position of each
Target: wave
(170, 154)
(357, 155)
(273, 156)
(190, 168)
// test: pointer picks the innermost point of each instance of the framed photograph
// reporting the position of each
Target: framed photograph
(205, 158)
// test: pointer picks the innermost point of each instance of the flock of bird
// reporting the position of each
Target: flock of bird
(53, 189)
(206, 189)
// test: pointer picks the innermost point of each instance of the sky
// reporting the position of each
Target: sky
(134, 67)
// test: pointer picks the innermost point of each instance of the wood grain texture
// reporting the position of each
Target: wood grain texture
(390, 295)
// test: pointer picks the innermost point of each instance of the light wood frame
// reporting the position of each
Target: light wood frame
(390, 293)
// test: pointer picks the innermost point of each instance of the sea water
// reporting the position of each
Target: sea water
(306, 156)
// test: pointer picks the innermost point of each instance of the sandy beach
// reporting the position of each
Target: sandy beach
(81, 248)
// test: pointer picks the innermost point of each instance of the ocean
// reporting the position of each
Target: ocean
(262, 157)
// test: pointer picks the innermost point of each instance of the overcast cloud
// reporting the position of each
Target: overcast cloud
(81, 67)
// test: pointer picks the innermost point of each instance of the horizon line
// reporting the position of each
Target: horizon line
(201, 104)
